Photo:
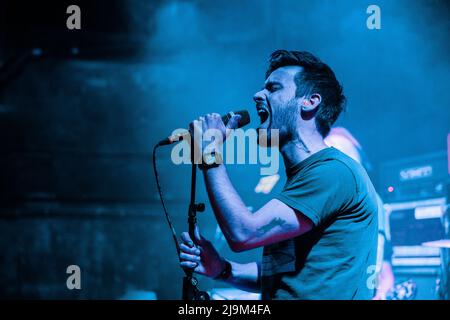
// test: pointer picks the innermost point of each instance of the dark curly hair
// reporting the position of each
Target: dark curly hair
(316, 77)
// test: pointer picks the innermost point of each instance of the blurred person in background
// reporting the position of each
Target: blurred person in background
(341, 139)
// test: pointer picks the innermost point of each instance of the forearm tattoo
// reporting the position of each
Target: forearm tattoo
(272, 224)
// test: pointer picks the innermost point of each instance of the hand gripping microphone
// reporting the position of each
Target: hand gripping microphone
(243, 121)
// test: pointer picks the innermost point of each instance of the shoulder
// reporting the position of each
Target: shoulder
(334, 167)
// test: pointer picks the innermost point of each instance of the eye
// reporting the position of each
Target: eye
(272, 87)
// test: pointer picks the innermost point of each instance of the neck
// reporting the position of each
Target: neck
(304, 145)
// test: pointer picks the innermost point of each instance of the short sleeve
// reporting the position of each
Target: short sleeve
(320, 191)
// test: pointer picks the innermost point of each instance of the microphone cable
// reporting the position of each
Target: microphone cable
(161, 197)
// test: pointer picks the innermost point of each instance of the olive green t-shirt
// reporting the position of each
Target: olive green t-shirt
(337, 258)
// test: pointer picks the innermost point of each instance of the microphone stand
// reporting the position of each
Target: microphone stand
(190, 290)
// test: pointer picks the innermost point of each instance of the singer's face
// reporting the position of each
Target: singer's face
(277, 104)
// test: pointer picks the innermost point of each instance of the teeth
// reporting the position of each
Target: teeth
(263, 115)
(262, 111)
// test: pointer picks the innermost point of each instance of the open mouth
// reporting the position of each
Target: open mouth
(263, 114)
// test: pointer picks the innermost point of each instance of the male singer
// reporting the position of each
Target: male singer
(320, 233)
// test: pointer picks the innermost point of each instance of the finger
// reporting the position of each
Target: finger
(207, 117)
(188, 264)
(233, 122)
(211, 119)
(187, 239)
(186, 249)
(189, 257)
(198, 237)
(216, 116)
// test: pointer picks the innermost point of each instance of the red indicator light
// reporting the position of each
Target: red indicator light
(390, 189)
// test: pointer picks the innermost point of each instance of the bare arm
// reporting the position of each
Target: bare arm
(204, 259)
(245, 276)
(244, 230)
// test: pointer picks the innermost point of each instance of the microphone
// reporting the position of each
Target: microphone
(243, 121)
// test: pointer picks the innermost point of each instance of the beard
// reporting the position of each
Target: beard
(282, 127)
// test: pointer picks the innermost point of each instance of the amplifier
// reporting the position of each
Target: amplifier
(421, 177)
(412, 223)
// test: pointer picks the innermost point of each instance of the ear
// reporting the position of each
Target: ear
(310, 103)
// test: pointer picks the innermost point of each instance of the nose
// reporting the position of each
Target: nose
(259, 96)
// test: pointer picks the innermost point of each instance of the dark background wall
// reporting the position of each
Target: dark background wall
(81, 110)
